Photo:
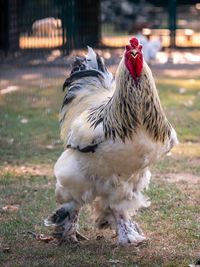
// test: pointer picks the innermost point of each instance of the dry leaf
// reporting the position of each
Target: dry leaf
(9, 89)
(182, 90)
(46, 239)
(24, 121)
(50, 147)
(11, 208)
(114, 261)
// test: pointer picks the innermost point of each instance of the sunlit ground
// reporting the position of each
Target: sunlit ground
(181, 40)
(110, 40)
(28, 42)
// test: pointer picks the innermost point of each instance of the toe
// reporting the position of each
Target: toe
(80, 236)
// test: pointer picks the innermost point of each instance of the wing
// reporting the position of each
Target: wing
(88, 85)
(83, 137)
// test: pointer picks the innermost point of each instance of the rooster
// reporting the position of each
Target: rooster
(113, 130)
(150, 48)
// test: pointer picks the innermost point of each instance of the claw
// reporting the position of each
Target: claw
(74, 238)
(80, 236)
(65, 223)
(138, 229)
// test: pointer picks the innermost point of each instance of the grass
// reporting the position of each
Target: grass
(29, 136)
(178, 104)
(29, 124)
(171, 220)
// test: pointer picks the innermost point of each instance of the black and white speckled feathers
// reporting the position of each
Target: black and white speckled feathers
(134, 104)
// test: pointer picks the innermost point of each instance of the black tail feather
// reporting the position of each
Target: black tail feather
(81, 74)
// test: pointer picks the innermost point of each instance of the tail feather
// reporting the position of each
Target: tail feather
(81, 74)
(92, 65)
(91, 59)
(94, 61)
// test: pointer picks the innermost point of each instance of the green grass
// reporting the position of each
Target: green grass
(29, 141)
(172, 222)
(183, 109)
(172, 219)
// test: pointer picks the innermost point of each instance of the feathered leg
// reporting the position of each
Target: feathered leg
(69, 194)
(115, 210)
(65, 222)
(128, 231)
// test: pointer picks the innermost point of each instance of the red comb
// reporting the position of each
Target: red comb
(134, 42)
(128, 47)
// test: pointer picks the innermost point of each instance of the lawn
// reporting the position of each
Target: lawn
(30, 145)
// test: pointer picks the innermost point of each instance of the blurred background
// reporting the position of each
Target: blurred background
(38, 42)
(42, 25)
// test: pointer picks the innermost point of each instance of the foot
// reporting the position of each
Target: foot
(65, 223)
(129, 233)
(74, 237)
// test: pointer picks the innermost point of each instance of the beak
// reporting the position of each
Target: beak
(134, 53)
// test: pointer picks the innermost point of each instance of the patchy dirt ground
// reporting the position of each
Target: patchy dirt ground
(30, 170)
(47, 170)
(183, 177)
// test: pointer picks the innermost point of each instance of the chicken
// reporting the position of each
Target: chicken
(46, 26)
(150, 48)
(113, 130)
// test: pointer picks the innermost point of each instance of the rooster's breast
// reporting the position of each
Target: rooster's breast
(124, 159)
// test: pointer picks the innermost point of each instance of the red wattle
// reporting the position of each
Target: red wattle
(134, 66)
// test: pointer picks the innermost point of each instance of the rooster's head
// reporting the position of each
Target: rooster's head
(134, 58)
